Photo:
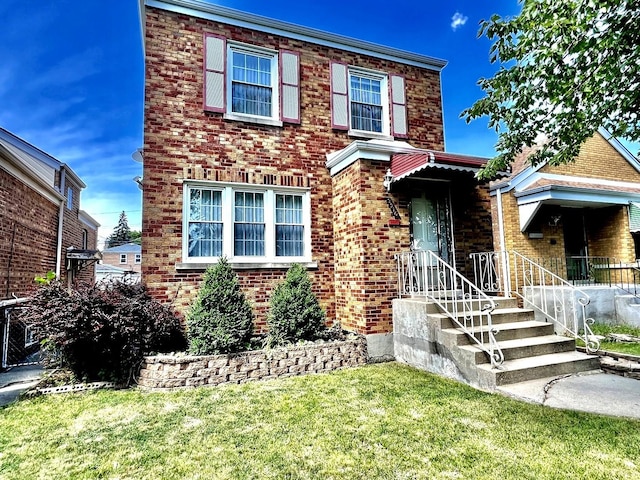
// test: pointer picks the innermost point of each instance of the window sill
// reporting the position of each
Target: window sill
(202, 266)
(365, 134)
(238, 117)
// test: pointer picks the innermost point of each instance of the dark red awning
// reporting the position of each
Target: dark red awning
(405, 164)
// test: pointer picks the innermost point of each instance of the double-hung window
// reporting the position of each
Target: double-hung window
(368, 103)
(246, 224)
(365, 95)
(251, 83)
(123, 258)
(252, 76)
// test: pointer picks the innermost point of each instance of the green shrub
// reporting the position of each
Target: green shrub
(101, 332)
(294, 312)
(221, 320)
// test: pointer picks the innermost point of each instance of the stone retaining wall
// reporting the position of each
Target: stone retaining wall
(165, 372)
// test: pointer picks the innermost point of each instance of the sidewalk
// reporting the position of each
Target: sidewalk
(16, 380)
(593, 392)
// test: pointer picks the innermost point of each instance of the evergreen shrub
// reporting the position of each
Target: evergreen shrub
(221, 319)
(295, 313)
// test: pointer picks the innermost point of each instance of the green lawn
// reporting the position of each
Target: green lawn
(620, 347)
(384, 421)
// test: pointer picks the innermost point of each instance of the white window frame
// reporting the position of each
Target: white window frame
(383, 78)
(138, 258)
(228, 197)
(123, 258)
(69, 198)
(272, 55)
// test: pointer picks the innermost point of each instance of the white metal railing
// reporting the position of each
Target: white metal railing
(423, 273)
(557, 299)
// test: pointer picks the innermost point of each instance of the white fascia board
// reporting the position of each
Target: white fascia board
(229, 16)
(526, 213)
(35, 152)
(87, 219)
(380, 150)
(579, 195)
(590, 181)
(628, 156)
(20, 171)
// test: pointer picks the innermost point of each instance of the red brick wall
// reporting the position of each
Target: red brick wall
(182, 142)
(28, 229)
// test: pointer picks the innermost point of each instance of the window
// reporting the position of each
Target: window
(247, 224)
(365, 94)
(85, 239)
(367, 103)
(123, 258)
(251, 83)
(138, 258)
(69, 198)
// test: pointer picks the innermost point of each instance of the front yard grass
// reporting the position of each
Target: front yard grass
(620, 347)
(384, 421)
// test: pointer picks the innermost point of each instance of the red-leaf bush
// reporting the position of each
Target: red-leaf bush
(101, 332)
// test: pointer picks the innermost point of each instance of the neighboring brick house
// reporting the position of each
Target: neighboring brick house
(42, 230)
(575, 212)
(127, 260)
(269, 143)
(42, 226)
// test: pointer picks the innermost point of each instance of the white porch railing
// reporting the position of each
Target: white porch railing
(556, 298)
(423, 273)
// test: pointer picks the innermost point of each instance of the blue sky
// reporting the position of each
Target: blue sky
(72, 76)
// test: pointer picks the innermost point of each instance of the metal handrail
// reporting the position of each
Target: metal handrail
(423, 273)
(557, 299)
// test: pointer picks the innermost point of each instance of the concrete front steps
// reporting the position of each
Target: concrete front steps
(531, 349)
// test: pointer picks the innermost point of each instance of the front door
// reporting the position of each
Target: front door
(575, 244)
(431, 223)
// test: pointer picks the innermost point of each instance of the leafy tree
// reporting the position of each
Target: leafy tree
(295, 313)
(221, 320)
(566, 68)
(121, 234)
(135, 237)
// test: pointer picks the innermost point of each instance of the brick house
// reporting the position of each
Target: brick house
(122, 261)
(42, 226)
(272, 143)
(588, 209)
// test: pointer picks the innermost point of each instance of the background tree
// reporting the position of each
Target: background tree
(566, 68)
(121, 234)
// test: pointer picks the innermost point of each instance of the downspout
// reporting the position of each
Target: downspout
(59, 243)
(506, 274)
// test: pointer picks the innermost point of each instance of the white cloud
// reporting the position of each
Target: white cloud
(458, 20)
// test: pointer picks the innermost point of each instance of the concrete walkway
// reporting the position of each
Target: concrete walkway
(16, 380)
(593, 392)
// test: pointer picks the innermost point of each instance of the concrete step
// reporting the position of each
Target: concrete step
(525, 347)
(499, 316)
(506, 331)
(531, 368)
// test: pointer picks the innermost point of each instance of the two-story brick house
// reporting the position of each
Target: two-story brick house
(272, 143)
(42, 226)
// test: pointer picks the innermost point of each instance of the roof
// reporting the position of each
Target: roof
(124, 248)
(230, 16)
(106, 268)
